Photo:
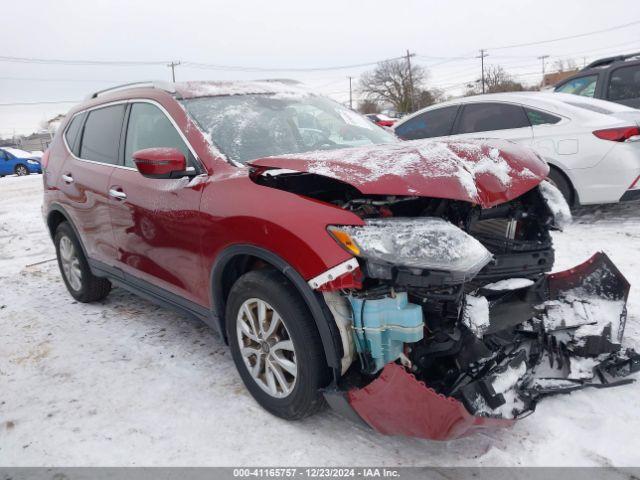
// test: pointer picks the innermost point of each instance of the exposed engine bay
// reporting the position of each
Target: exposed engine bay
(451, 319)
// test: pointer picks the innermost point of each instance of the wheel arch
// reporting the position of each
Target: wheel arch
(236, 260)
(575, 201)
(56, 215)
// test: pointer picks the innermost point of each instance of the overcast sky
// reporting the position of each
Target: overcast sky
(286, 34)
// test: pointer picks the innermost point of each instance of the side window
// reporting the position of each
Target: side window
(71, 133)
(3, 155)
(625, 83)
(434, 123)
(101, 135)
(484, 117)
(536, 117)
(149, 127)
(585, 86)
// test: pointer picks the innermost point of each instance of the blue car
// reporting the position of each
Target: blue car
(18, 162)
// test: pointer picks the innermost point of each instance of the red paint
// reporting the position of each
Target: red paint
(159, 161)
(171, 233)
(397, 404)
(527, 170)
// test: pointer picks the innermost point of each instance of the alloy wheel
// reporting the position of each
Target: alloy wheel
(70, 263)
(21, 170)
(266, 347)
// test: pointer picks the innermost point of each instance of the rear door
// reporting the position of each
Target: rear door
(85, 178)
(494, 120)
(156, 222)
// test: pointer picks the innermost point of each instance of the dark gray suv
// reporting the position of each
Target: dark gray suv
(616, 79)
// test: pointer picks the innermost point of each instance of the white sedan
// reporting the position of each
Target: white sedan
(592, 146)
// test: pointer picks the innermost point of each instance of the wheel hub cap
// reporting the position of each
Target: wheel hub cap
(70, 263)
(266, 348)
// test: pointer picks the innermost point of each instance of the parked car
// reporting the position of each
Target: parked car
(591, 145)
(381, 119)
(19, 162)
(616, 79)
(350, 275)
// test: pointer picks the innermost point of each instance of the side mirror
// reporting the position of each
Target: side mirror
(161, 162)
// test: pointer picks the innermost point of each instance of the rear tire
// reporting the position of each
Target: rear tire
(253, 303)
(561, 182)
(81, 283)
(21, 170)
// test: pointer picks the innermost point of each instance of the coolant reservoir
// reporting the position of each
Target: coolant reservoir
(383, 326)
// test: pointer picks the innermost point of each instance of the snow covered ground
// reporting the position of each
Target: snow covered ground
(125, 382)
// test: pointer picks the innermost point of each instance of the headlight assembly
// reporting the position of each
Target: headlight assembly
(429, 243)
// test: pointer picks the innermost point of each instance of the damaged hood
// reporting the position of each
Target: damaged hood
(486, 172)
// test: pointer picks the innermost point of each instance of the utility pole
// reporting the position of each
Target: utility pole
(481, 57)
(173, 66)
(350, 94)
(543, 58)
(409, 55)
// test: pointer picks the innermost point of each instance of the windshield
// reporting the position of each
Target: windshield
(246, 127)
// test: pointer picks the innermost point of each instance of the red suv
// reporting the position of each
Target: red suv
(404, 283)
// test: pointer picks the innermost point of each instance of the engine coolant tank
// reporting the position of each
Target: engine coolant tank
(382, 326)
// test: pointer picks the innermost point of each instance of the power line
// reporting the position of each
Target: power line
(569, 37)
(211, 66)
(46, 102)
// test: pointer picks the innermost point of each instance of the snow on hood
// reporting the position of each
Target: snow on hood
(487, 172)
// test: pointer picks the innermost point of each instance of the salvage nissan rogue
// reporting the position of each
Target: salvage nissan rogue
(404, 283)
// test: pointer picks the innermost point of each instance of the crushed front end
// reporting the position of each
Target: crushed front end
(450, 321)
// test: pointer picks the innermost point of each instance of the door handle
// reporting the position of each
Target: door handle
(117, 194)
(67, 178)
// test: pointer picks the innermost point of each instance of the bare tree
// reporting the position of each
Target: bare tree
(496, 80)
(390, 83)
(568, 65)
(368, 106)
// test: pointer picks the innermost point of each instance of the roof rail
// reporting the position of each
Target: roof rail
(166, 86)
(609, 60)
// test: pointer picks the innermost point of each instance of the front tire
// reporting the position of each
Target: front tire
(21, 170)
(81, 283)
(275, 345)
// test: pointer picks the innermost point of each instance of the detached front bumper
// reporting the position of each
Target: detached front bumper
(571, 340)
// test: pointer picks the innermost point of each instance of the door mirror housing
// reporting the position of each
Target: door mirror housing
(161, 162)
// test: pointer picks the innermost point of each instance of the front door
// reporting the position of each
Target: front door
(156, 222)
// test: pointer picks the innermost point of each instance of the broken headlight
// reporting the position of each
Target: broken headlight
(429, 243)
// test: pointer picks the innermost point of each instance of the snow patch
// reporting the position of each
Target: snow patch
(223, 88)
(509, 284)
(557, 204)
(476, 315)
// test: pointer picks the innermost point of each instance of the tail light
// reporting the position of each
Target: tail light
(621, 134)
(44, 161)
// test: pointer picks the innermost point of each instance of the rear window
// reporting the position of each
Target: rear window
(625, 83)
(484, 117)
(434, 123)
(71, 133)
(536, 117)
(101, 137)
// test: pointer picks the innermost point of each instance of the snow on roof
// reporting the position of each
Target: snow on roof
(16, 152)
(223, 88)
